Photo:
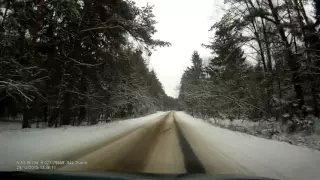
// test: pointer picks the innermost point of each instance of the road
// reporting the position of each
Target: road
(171, 144)
(153, 147)
(161, 146)
(163, 142)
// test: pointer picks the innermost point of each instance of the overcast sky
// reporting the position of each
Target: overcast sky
(185, 24)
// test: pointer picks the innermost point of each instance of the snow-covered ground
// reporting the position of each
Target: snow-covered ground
(263, 157)
(220, 150)
(58, 143)
(272, 130)
(9, 126)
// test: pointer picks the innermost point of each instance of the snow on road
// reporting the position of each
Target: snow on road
(60, 143)
(220, 151)
(240, 153)
(153, 148)
(166, 155)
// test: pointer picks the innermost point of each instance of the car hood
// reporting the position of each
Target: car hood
(123, 176)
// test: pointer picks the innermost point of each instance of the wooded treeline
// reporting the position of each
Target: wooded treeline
(68, 61)
(283, 38)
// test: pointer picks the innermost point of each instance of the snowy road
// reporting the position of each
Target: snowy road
(153, 147)
(177, 143)
(168, 143)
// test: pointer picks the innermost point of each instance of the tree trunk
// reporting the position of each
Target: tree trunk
(299, 8)
(315, 102)
(37, 25)
(270, 75)
(45, 113)
(53, 117)
(5, 13)
(303, 11)
(25, 120)
(289, 58)
(82, 114)
(66, 117)
(56, 122)
(266, 65)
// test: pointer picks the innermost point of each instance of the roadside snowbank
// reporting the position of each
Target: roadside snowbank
(262, 157)
(59, 143)
(9, 126)
(271, 130)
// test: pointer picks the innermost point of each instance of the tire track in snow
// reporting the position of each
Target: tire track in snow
(191, 161)
(125, 153)
(166, 156)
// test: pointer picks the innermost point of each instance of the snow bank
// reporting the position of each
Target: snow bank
(9, 126)
(59, 143)
(263, 157)
(272, 130)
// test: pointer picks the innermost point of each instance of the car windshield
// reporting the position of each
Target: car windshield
(210, 87)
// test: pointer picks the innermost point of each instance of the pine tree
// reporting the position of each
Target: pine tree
(61, 60)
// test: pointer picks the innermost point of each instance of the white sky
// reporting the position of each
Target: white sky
(185, 24)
